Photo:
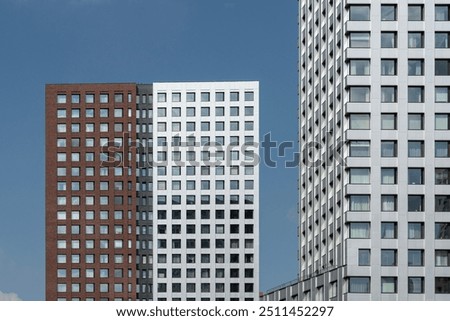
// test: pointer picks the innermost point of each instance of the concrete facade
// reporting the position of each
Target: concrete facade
(374, 134)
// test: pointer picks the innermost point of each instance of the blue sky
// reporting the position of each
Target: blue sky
(54, 41)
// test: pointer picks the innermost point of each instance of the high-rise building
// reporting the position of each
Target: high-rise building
(152, 191)
(374, 93)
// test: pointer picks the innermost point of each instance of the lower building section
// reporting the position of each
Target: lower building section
(327, 286)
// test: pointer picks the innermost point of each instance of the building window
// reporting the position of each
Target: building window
(388, 230)
(416, 176)
(415, 67)
(389, 257)
(415, 257)
(415, 12)
(415, 285)
(364, 257)
(442, 148)
(388, 94)
(162, 97)
(442, 94)
(234, 96)
(359, 176)
(389, 39)
(415, 39)
(442, 67)
(442, 12)
(359, 148)
(61, 99)
(388, 67)
(388, 12)
(388, 176)
(442, 203)
(442, 39)
(416, 203)
(249, 96)
(359, 230)
(442, 121)
(359, 284)
(442, 285)
(388, 148)
(388, 203)
(359, 67)
(442, 176)
(359, 121)
(90, 98)
(104, 98)
(359, 12)
(388, 284)
(359, 94)
(442, 257)
(416, 148)
(359, 39)
(388, 121)
(442, 231)
(416, 230)
(416, 94)
(359, 203)
(415, 121)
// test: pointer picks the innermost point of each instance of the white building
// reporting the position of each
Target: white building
(206, 187)
(374, 133)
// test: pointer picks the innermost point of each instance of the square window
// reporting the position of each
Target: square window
(415, 67)
(364, 257)
(415, 257)
(234, 96)
(162, 97)
(388, 230)
(442, 94)
(442, 12)
(389, 257)
(416, 230)
(416, 148)
(388, 285)
(388, 121)
(89, 98)
(416, 285)
(388, 39)
(205, 97)
(388, 148)
(190, 96)
(104, 98)
(416, 203)
(388, 94)
(415, 12)
(416, 176)
(442, 67)
(388, 67)
(388, 203)
(61, 99)
(441, 39)
(415, 39)
(359, 203)
(388, 12)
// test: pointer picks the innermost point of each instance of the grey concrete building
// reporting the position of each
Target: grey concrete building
(374, 110)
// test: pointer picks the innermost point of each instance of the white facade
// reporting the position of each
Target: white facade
(206, 195)
(374, 132)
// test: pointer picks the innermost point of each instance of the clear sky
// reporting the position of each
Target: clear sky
(144, 41)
